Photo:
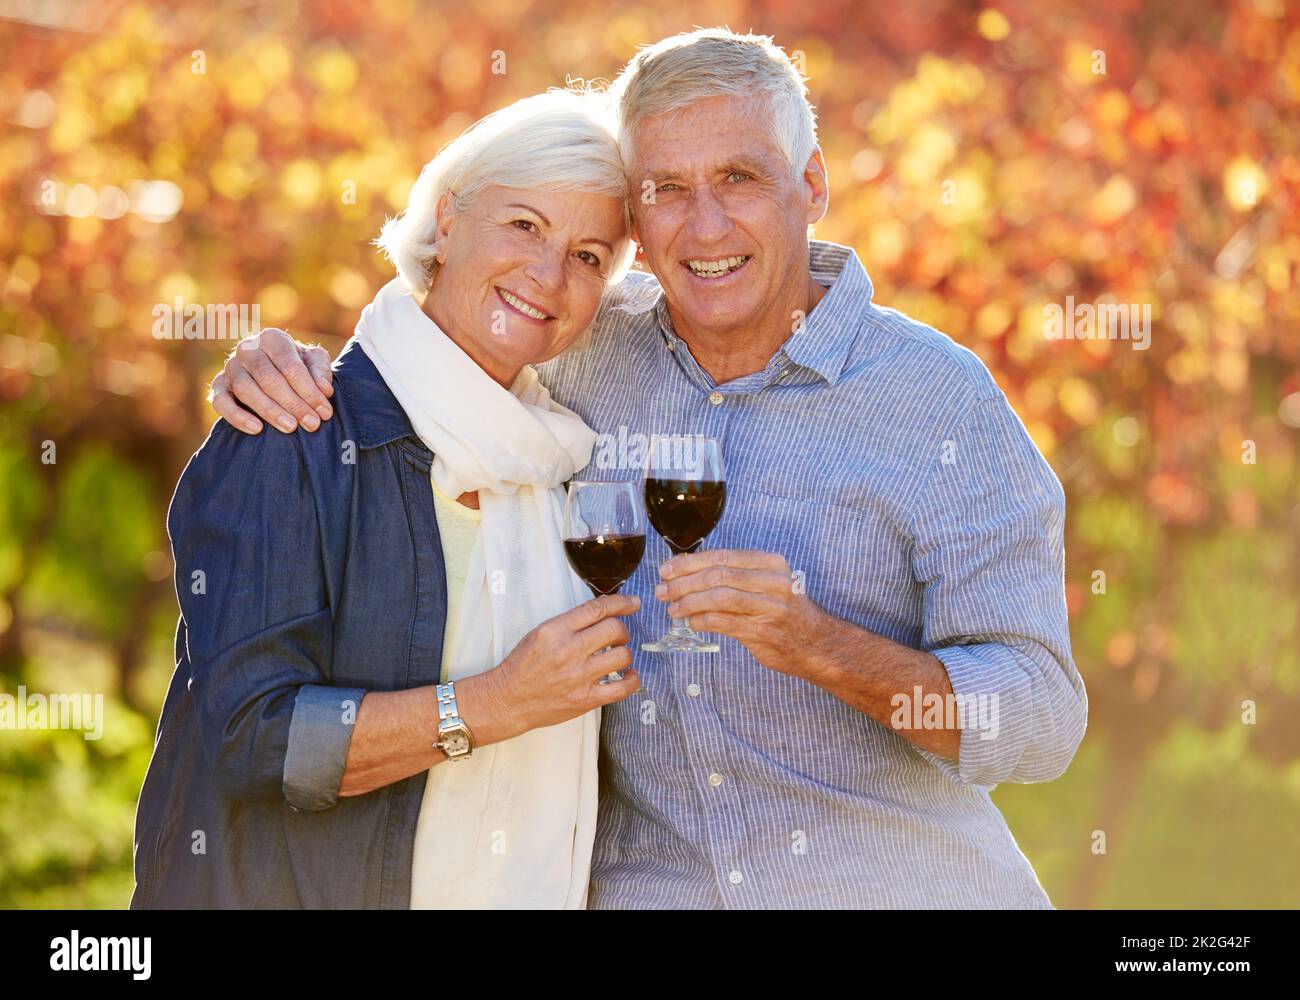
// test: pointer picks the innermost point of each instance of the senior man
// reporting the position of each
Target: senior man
(886, 580)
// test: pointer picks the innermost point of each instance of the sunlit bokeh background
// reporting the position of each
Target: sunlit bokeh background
(986, 159)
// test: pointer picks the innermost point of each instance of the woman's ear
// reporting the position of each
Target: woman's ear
(446, 215)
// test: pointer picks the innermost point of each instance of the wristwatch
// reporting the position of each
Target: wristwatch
(454, 738)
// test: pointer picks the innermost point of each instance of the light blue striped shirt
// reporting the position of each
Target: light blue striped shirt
(883, 461)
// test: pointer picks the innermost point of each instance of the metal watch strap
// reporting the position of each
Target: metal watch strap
(447, 702)
(449, 720)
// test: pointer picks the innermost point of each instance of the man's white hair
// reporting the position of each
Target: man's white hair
(713, 62)
(561, 140)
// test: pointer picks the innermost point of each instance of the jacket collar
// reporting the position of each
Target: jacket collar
(378, 417)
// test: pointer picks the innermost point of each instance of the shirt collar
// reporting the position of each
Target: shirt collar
(823, 342)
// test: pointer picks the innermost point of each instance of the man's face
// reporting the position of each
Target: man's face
(726, 234)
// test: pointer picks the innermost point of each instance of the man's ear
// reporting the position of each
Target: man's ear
(817, 187)
(636, 241)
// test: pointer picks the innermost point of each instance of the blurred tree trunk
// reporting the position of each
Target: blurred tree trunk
(1126, 751)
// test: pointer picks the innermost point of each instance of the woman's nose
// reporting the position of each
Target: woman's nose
(546, 270)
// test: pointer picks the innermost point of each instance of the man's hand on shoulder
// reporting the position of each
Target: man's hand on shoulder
(279, 379)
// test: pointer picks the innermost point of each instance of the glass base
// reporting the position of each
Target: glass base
(681, 643)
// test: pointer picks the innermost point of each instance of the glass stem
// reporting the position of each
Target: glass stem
(681, 628)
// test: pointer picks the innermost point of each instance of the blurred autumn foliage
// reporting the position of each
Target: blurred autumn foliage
(987, 160)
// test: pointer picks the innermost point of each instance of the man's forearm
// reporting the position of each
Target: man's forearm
(749, 596)
(869, 672)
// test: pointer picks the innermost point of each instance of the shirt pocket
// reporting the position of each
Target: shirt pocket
(854, 561)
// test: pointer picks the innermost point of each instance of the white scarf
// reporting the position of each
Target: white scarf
(514, 825)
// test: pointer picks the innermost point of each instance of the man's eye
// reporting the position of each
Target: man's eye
(525, 224)
(587, 257)
(737, 175)
(669, 186)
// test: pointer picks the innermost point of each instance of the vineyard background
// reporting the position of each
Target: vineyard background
(983, 162)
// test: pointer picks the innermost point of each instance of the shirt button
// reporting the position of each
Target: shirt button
(715, 779)
(693, 689)
(715, 398)
(735, 878)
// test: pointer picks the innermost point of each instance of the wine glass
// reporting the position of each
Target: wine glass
(685, 492)
(604, 538)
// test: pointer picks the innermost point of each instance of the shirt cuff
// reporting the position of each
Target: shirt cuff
(990, 690)
(320, 733)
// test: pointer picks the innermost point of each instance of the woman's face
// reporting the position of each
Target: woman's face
(522, 273)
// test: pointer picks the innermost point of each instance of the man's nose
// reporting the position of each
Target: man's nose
(708, 221)
(546, 270)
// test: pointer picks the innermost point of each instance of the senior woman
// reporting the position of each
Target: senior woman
(407, 717)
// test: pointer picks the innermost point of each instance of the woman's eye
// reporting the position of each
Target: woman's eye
(587, 257)
(524, 224)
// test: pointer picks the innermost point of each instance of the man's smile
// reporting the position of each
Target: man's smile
(713, 270)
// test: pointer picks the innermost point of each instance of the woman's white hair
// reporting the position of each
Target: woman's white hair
(714, 62)
(560, 140)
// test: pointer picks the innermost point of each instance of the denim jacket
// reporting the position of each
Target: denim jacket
(309, 571)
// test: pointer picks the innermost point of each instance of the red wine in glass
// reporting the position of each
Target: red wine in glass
(604, 562)
(604, 538)
(685, 493)
(682, 511)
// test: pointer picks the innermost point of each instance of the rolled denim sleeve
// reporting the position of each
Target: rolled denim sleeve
(320, 731)
(257, 622)
(989, 549)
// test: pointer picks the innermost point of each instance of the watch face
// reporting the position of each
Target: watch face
(454, 743)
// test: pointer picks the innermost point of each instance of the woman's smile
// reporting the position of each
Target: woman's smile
(523, 307)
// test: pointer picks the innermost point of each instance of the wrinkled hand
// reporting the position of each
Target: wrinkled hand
(553, 674)
(280, 379)
(750, 596)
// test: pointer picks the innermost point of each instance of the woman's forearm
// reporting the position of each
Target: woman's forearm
(549, 678)
(395, 730)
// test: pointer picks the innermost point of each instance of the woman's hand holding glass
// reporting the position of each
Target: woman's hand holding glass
(554, 674)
